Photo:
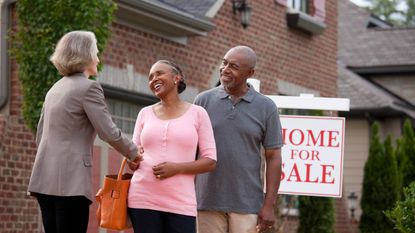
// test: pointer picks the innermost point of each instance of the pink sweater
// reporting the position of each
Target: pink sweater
(173, 140)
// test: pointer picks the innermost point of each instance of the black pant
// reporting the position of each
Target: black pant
(64, 214)
(153, 221)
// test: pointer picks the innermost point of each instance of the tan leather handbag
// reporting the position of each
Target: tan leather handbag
(112, 201)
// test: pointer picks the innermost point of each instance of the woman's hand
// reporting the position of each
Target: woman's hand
(134, 165)
(166, 170)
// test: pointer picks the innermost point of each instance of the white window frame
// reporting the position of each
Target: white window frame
(299, 5)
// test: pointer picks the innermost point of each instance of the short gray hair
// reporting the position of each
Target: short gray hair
(74, 51)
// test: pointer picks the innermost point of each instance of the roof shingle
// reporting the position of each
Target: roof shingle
(360, 46)
(195, 7)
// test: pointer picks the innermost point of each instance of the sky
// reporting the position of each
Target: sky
(360, 3)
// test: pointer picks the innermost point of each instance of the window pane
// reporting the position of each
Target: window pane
(289, 205)
(300, 5)
(304, 6)
(124, 114)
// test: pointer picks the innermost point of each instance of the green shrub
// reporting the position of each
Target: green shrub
(405, 154)
(403, 214)
(316, 215)
(380, 185)
(41, 23)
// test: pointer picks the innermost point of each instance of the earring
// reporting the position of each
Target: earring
(175, 82)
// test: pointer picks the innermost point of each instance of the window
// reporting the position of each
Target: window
(6, 18)
(124, 106)
(306, 15)
(289, 205)
(299, 5)
(124, 114)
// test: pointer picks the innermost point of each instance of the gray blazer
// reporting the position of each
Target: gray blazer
(73, 113)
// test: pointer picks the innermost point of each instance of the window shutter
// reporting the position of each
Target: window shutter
(319, 10)
(282, 2)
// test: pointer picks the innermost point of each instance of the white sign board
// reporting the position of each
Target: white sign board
(312, 155)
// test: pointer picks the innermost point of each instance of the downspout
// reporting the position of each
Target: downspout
(4, 50)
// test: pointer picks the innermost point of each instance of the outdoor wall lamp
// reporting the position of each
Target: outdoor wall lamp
(352, 205)
(244, 9)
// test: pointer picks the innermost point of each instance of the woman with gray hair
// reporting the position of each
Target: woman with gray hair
(73, 112)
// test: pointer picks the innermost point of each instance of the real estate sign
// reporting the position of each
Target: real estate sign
(312, 155)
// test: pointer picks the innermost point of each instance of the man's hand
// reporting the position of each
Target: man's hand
(266, 218)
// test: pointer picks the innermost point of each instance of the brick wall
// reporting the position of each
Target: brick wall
(283, 53)
(342, 224)
(18, 212)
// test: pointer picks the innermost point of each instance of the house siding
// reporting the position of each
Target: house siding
(357, 143)
(391, 127)
(356, 153)
(401, 85)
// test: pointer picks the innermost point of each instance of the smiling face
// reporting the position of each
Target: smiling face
(161, 80)
(235, 69)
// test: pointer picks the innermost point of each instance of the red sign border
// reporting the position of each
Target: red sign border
(343, 121)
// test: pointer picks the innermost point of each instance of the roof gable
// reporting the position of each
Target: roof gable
(366, 97)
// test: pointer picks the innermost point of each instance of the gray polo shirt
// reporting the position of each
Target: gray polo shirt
(240, 130)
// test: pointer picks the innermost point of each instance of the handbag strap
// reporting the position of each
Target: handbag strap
(119, 177)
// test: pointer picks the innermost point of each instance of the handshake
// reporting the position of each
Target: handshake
(135, 164)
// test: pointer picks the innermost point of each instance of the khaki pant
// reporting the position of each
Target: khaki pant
(225, 222)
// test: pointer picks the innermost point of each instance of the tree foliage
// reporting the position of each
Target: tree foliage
(388, 11)
(410, 13)
(380, 185)
(41, 23)
(405, 154)
(403, 214)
